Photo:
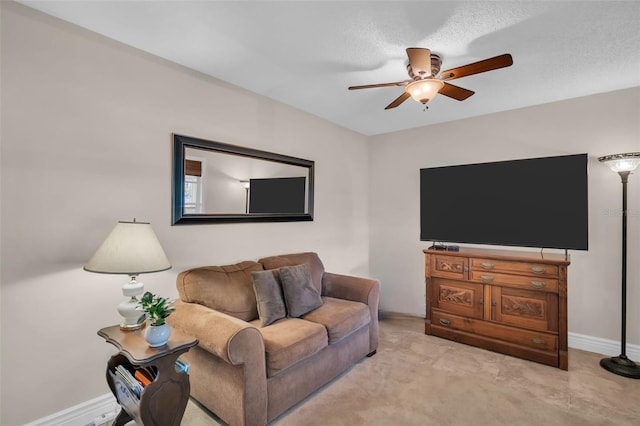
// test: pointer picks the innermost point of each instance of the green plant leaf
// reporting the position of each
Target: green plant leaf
(155, 308)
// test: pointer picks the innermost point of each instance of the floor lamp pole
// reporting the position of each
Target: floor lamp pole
(625, 178)
(620, 364)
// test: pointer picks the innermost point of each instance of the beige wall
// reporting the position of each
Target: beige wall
(598, 125)
(86, 141)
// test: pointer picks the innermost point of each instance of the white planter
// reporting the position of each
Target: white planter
(157, 335)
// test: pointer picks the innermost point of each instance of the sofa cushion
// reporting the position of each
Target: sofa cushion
(226, 289)
(317, 268)
(266, 285)
(289, 341)
(300, 295)
(340, 317)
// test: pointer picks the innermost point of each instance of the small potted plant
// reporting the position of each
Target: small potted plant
(156, 309)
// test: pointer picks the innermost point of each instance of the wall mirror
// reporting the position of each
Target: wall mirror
(214, 182)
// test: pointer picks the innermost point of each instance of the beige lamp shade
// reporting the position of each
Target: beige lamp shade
(131, 248)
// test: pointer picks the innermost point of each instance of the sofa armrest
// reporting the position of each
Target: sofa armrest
(224, 336)
(229, 375)
(357, 289)
(347, 287)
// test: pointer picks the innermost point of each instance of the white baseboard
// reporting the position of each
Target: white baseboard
(95, 412)
(602, 346)
(100, 410)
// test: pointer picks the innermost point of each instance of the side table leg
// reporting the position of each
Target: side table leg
(122, 419)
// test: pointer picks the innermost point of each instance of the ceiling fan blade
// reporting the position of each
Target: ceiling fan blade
(420, 61)
(478, 67)
(369, 86)
(455, 92)
(400, 99)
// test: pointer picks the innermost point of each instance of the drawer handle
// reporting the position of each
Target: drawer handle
(538, 284)
(538, 341)
(487, 265)
(538, 270)
(486, 278)
(445, 321)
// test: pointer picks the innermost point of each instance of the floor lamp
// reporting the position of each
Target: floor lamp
(623, 164)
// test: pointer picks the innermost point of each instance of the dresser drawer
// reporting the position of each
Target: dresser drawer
(517, 281)
(530, 339)
(449, 266)
(521, 268)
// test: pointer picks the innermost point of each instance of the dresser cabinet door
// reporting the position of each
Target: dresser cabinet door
(525, 308)
(458, 297)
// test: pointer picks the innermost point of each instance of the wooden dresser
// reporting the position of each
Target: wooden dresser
(511, 302)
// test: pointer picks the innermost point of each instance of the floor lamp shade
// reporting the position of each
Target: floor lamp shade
(623, 164)
(132, 248)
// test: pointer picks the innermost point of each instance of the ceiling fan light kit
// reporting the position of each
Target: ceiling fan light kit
(424, 90)
(427, 80)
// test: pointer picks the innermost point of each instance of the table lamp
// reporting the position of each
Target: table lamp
(132, 248)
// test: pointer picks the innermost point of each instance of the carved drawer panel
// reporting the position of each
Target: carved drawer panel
(524, 308)
(518, 281)
(521, 268)
(531, 339)
(459, 297)
(449, 266)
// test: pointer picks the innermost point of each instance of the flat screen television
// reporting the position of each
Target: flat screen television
(277, 195)
(537, 202)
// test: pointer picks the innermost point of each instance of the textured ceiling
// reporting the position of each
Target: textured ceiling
(306, 53)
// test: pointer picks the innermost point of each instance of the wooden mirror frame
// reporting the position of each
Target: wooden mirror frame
(178, 217)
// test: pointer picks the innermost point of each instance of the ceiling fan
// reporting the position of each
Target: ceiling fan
(425, 83)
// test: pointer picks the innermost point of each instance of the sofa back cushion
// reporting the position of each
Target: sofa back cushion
(226, 289)
(315, 264)
(300, 294)
(269, 297)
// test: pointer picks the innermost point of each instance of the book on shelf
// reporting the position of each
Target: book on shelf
(127, 378)
(142, 377)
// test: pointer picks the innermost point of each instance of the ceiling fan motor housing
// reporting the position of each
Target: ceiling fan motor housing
(436, 62)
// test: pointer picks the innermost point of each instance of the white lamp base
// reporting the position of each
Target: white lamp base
(127, 309)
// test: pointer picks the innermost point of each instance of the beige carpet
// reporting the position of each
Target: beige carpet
(416, 379)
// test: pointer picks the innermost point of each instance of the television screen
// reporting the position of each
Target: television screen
(539, 202)
(277, 195)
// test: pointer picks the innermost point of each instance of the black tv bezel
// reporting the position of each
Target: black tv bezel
(578, 245)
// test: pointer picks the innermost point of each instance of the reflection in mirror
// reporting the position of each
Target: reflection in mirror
(215, 182)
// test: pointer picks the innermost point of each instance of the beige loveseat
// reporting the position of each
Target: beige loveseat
(248, 374)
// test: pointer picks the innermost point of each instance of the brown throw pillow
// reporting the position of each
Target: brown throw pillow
(300, 295)
(269, 299)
